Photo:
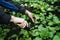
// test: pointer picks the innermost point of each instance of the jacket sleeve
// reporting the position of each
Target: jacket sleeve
(4, 18)
(12, 7)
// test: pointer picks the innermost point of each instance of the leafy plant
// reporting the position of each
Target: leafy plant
(45, 27)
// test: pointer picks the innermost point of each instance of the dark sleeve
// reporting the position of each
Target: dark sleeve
(12, 7)
(4, 18)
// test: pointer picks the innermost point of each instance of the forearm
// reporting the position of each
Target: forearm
(12, 6)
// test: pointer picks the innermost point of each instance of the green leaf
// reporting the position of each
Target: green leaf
(40, 27)
(34, 32)
(37, 38)
(56, 37)
(27, 39)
